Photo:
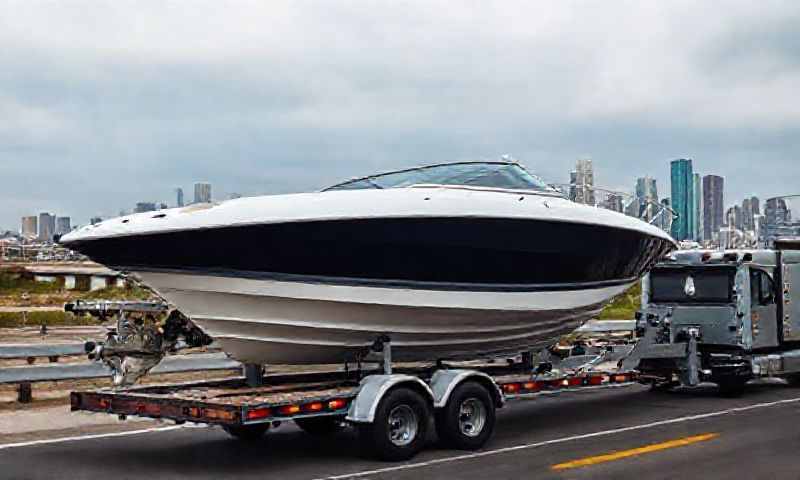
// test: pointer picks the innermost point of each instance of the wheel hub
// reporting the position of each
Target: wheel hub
(472, 417)
(403, 425)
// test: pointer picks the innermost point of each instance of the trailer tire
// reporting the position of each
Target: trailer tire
(247, 433)
(400, 427)
(467, 421)
(320, 426)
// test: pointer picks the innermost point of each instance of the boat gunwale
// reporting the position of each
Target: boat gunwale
(382, 283)
(85, 235)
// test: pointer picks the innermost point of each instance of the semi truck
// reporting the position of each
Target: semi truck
(724, 317)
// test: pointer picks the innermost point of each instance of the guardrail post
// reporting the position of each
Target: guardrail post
(25, 392)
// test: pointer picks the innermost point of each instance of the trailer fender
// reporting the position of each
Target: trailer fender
(372, 390)
(444, 382)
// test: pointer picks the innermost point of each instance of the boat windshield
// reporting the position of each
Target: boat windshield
(505, 175)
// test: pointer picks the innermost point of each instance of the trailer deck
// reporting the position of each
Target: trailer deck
(287, 397)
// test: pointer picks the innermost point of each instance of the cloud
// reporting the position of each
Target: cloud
(106, 104)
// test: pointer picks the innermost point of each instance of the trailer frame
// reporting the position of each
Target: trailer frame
(351, 397)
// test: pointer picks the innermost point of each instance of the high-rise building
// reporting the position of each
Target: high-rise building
(666, 215)
(779, 221)
(179, 195)
(755, 205)
(142, 207)
(63, 225)
(581, 182)
(713, 205)
(697, 196)
(646, 198)
(47, 227)
(733, 217)
(614, 202)
(682, 179)
(30, 227)
(202, 192)
(761, 229)
(748, 219)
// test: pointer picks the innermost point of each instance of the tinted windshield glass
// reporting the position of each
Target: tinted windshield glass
(482, 174)
(691, 285)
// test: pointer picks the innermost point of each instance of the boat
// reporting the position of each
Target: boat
(448, 260)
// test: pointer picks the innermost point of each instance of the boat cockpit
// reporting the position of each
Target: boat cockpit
(492, 175)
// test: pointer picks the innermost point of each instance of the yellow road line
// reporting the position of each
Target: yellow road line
(610, 457)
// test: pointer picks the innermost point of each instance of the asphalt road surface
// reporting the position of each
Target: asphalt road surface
(626, 433)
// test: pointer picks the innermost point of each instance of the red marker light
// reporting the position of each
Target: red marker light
(337, 404)
(258, 413)
(313, 407)
(511, 387)
(289, 409)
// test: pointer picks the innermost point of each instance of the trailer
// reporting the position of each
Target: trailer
(720, 317)
(391, 407)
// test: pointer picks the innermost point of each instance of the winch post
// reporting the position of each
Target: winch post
(387, 357)
(383, 345)
(693, 369)
(253, 374)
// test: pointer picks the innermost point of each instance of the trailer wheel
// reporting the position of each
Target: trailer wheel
(467, 421)
(247, 433)
(400, 427)
(320, 425)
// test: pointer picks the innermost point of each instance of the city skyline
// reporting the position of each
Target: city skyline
(126, 110)
(177, 193)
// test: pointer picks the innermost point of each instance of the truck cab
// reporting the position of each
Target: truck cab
(719, 317)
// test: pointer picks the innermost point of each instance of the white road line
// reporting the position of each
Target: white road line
(99, 435)
(556, 441)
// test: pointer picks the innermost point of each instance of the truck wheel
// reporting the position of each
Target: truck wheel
(731, 388)
(467, 421)
(247, 433)
(320, 425)
(400, 427)
(663, 386)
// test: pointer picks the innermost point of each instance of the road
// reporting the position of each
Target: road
(650, 435)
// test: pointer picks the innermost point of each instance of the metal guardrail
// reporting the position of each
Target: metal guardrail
(602, 326)
(82, 371)
(34, 350)
(25, 377)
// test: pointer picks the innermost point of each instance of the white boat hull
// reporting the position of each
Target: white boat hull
(288, 322)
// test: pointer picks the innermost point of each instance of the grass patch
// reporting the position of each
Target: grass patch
(117, 293)
(13, 284)
(624, 305)
(51, 319)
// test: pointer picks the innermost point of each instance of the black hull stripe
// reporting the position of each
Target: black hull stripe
(504, 253)
(381, 283)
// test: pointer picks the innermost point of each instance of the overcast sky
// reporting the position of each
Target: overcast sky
(103, 104)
